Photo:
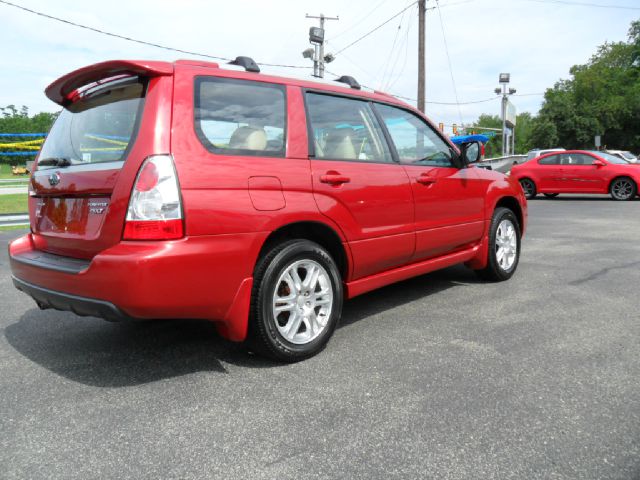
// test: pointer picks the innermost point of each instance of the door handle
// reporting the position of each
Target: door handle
(334, 178)
(425, 179)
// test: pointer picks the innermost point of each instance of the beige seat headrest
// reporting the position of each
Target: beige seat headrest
(248, 138)
(339, 144)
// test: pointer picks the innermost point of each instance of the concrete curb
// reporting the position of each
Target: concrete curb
(14, 219)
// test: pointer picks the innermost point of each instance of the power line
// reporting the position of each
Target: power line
(387, 63)
(362, 19)
(406, 56)
(584, 4)
(135, 40)
(451, 103)
(414, 100)
(446, 49)
(450, 4)
(376, 28)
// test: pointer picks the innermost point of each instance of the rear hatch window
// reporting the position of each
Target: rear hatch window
(99, 128)
(80, 163)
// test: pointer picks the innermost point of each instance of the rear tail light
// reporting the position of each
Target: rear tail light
(155, 208)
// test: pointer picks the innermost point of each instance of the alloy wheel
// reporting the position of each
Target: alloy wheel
(622, 189)
(528, 187)
(506, 244)
(302, 301)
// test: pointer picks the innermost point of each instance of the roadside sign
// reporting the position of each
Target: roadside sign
(597, 141)
(510, 114)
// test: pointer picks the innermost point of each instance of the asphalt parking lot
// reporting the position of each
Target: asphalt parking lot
(442, 376)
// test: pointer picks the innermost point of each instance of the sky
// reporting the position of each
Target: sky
(468, 43)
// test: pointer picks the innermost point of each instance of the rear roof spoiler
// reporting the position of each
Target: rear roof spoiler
(62, 90)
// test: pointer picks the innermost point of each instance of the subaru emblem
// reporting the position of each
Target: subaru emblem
(54, 179)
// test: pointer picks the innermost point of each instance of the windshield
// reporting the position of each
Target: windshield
(628, 155)
(98, 128)
(610, 158)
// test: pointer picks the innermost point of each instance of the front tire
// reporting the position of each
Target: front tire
(504, 246)
(623, 188)
(529, 188)
(296, 301)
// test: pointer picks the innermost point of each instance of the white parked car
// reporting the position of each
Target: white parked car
(624, 155)
(536, 152)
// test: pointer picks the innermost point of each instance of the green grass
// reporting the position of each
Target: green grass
(14, 227)
(14, 203)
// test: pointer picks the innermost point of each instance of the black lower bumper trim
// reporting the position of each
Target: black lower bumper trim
(37, 258)
(83, 306)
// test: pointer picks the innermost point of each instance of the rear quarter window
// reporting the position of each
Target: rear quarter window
(240, 117)
(550, 160)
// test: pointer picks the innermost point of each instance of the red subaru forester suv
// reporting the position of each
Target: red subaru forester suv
(185, 190)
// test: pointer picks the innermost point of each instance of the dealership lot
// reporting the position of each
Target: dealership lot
(441, 376)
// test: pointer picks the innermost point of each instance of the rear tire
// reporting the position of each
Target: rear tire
(296, 301)
(623, 188)
(529, 188)
(504, 246)
(551, 195)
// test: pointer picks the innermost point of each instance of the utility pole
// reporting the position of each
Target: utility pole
(422, 7)
(316, 37)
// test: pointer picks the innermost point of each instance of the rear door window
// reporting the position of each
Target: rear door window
(98, 128)
(240, 117)
(345, 129)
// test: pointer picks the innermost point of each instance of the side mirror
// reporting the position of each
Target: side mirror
(598, 163)
(470, 152)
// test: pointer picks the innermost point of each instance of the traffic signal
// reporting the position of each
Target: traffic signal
(455, 129)
(441, 127)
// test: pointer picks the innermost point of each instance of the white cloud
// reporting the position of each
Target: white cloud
(537, 43)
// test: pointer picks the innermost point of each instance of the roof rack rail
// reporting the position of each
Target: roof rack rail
(352, 82)
(247, 63)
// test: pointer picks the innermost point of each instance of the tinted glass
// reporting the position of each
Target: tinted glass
(415, 141)
(98, 128)
(345, 129)
(611, 158)
(551, 160)
(239, 117)
(577, 159)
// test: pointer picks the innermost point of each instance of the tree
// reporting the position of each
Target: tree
(524, 124)
(601, 98)
(19, 121)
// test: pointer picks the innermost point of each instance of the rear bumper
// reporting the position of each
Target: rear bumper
(85, 307)
(205, 277)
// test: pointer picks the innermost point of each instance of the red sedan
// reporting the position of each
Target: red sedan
(578, 171)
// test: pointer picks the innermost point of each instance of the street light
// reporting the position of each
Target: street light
(504, 79)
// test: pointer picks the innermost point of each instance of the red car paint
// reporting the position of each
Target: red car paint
(566, 177)
(391, 221)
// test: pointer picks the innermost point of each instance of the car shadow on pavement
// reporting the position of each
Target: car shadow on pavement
(404, 292)
(102, 354)
(574, 198)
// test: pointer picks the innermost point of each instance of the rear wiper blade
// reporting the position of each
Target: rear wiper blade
(55, 161)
